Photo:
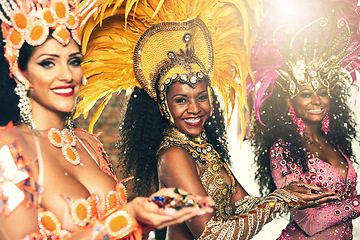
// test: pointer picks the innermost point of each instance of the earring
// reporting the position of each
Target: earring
(209, 90)
(166, 111)
(70, 122)
(84, 81)
(325, 124)
(24, 105)
(298, 121)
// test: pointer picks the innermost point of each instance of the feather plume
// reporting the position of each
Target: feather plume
(109, 39)
(266, 59)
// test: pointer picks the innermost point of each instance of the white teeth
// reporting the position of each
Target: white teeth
(62, 90)
(192, 120)
(315, 110)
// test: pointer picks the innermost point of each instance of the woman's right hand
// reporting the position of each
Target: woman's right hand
(312, 196)
(146, 211)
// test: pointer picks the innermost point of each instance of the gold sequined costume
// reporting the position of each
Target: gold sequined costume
(153, 44)
(251, 214)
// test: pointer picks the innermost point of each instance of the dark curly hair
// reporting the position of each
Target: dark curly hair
(142, 132)
(275, 116)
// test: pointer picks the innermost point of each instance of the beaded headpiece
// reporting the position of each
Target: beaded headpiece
(30, 22)
(308, 62)
(190, 39)
(186, 56)
(310, 50)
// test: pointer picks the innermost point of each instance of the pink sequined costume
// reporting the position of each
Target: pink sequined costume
(332, 221)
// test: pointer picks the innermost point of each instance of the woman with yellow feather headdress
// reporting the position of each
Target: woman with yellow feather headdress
(172, 54)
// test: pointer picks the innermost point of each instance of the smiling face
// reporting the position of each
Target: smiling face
(55, 72)
(190, 107)
(311, 105)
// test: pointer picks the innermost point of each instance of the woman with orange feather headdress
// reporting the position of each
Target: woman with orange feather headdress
(172, 54)
(55, 181)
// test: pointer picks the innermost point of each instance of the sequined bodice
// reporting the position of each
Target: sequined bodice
(332, 221)
(210, 164)
(19, 186)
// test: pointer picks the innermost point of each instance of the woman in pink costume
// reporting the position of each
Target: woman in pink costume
(303, 128)
(55, 181)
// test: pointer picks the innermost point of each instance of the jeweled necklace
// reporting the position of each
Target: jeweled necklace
(65, 140)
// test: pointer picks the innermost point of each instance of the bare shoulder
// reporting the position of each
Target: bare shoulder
(11, 135)
(88, 137)
(178, 169)
(175, 164)
(17, 143)
(175, 154)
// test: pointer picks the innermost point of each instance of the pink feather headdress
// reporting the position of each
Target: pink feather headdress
(302, 42)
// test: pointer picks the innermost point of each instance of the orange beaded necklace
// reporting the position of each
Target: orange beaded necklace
(65, 140)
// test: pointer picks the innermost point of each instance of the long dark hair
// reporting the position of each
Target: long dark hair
(142, 132)
(279, 126)
(9, 110)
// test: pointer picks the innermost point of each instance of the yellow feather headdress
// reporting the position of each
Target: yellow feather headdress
(109, 37)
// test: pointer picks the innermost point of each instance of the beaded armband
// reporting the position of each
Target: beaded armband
(278, 202)
(248, 202)
(244, 205)
(252, 214)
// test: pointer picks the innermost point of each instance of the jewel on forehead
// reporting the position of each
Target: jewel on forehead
(38, 34)
(193, 79)
(183, 77)
(315, 84)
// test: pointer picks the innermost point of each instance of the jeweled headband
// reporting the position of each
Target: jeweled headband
(186, 56)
